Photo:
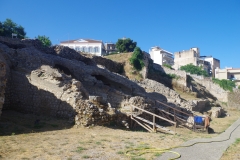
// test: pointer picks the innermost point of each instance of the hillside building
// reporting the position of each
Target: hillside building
(160, 56)
(228, 73)
(192, 56)
(91, 46)
(213, 62)
(110, 47)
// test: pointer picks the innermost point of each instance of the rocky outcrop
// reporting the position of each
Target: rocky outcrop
(60, 82)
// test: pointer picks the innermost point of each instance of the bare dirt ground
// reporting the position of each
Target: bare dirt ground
(22, 137)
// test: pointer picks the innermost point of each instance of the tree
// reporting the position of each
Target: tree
(45, 41)
(125, 45)
(190, 68)
(136, 59)
(8, 27)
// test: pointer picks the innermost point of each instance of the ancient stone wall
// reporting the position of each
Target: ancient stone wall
(108, 64)
(180, 80)
(234, 99)
(3, 80)
(213, 88)
(59, 81)
(34, 88)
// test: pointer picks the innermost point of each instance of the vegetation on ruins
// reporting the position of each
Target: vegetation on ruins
(190, 68)
(125, 45)
(137, 59)
(8, 27)
(225, 84)
(45, 40)
(168, 66)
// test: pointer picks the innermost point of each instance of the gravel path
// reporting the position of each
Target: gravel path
(207, 151)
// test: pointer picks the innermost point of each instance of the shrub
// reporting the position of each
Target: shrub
(173, 76)
(167, 65)
(136, 59)
(190, 68)
(238, 87)
(225, 84)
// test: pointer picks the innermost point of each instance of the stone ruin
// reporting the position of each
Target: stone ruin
(60, 82)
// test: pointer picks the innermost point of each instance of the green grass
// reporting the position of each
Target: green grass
(98, 143)
(138, 158)
(237, 141)
(86, 156)
(80, 149)
(120, 152)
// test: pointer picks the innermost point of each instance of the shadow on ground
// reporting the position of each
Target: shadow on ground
(13, 122)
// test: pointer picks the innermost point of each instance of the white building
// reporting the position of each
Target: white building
(214, 63)
(95, 47)
(160, 56)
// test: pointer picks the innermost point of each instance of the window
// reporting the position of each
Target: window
(90, 49)
(179, 55)
(81, 49)
(84, 49)
(77, 48)
(96, 49)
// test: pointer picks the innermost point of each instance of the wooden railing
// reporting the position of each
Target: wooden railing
(154, 118)
(175, 111)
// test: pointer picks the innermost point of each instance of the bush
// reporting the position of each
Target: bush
(167, 65)
(137, 59)
(238, 87)
(190, 68)
(225, 84)
(173, 76)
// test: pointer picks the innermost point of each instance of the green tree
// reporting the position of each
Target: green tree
(136, 59)
(45, 41)
(125, 45)
(8, 27)
(190, 68)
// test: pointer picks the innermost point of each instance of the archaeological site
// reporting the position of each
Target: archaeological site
(90, 90)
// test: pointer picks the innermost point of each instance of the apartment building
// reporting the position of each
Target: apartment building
(160, 56)
(228, 73)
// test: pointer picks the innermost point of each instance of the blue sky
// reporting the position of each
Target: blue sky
(174, 25)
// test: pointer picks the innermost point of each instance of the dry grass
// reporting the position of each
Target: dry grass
(55, 139)
(232, 152)
(129, 71)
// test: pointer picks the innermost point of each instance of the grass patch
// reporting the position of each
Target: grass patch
(138, 158)
(120, 152)
(157, 154)
(86, 156)
(98, 143)
(80, 149)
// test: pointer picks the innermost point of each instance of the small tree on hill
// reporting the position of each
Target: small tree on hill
(45, 41)
(8, 27)
(125, 45)
(137, 59)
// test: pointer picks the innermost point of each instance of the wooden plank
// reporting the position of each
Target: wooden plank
(142, 125)
(149, 127)
(155, 115)
(175, 109)
(158, 126)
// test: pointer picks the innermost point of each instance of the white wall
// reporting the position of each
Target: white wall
(80, 45)
(157, 57)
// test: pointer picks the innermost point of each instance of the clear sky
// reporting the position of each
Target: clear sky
(174, 25)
